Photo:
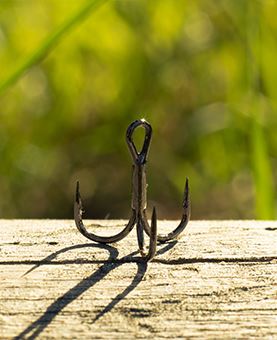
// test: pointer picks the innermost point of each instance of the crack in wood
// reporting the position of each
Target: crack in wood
(262, 259)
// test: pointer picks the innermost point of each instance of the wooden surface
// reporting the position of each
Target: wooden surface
(218, 281)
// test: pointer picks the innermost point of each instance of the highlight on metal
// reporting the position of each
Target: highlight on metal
(139, 201)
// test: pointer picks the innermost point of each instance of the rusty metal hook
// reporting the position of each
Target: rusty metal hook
(139, 201)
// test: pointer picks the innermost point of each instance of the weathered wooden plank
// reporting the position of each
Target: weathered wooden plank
(218, 281)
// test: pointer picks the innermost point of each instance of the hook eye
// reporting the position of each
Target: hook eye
(141, 156)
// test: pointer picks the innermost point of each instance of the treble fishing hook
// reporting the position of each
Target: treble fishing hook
(139, 201)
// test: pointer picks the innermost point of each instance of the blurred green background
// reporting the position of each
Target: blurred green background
(74, 74)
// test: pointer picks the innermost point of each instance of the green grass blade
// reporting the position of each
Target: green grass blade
(50, 42)
(262, 171)
(261, 163)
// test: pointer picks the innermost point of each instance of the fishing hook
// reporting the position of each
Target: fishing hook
(139, 201)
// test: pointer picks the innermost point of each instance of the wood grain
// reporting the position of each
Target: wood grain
(218, 281)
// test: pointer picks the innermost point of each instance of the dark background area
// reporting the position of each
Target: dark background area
(203, 73)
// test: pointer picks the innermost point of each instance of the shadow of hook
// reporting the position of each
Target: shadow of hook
(36, 327)
(33, 330)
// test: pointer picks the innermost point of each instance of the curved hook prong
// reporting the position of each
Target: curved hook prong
(182, 225)
(78, 211)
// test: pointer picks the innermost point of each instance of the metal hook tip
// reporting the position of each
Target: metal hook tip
(77, 195)
(186, 200)
(154, 224)
(154, 215)
(187, 184)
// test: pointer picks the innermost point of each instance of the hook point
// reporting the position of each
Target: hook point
(154, 222)
(186, 194)
(77, 197)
